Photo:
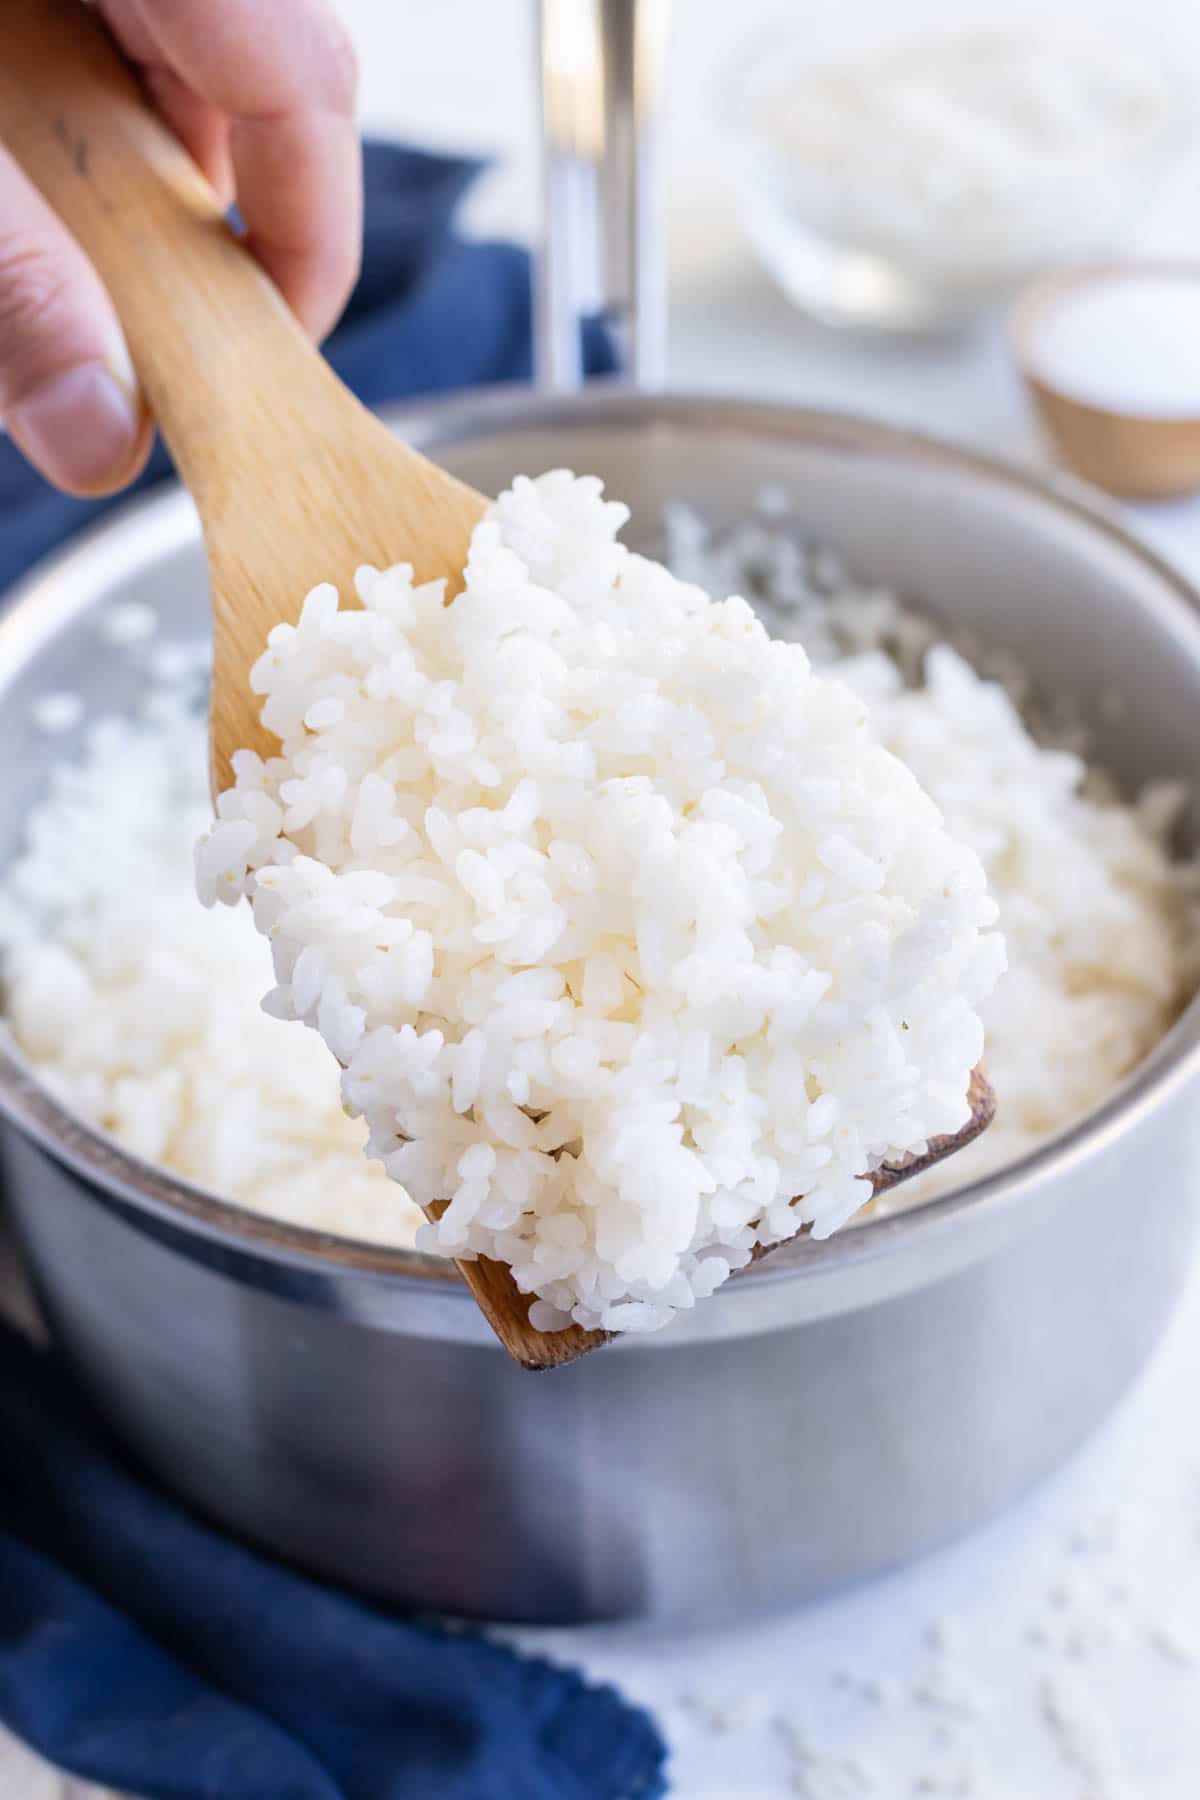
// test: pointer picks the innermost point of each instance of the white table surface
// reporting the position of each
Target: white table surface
(1056, 1654)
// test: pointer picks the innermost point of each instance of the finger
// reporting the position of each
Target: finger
(203, 131)
(286, 79)
(68, 393)
(200, 128)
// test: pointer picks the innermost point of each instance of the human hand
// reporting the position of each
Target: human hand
(263, 96)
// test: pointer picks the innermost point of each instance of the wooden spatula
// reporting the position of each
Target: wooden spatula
(294, 481)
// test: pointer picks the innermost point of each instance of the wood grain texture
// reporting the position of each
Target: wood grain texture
(493, 1288)
(507, 1312)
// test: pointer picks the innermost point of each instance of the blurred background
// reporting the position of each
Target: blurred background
(463, 75)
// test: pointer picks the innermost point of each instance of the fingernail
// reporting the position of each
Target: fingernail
(82, 429)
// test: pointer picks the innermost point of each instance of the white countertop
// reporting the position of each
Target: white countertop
(1055, 1655)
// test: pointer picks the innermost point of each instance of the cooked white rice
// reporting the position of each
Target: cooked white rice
(632, 942)
(254, 1114)
(1100, 923)
(141, 1010)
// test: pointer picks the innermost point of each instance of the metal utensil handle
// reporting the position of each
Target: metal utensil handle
(602, 255)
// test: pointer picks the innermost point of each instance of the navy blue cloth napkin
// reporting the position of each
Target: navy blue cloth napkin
(431, 312)
(139, 1648)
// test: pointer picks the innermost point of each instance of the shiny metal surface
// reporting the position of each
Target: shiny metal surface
(601, 256)
(844, 1407)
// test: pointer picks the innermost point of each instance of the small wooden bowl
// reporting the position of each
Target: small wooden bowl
(1136, 456)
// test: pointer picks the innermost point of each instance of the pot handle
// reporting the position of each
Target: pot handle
(602, 255)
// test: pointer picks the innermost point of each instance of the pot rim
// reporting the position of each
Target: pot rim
(44, 602)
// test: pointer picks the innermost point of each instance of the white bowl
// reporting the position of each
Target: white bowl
(865, 224)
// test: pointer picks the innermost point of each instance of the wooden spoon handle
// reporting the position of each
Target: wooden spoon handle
(74, 117)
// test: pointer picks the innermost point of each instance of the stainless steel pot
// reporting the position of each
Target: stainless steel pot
(844, 1407)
